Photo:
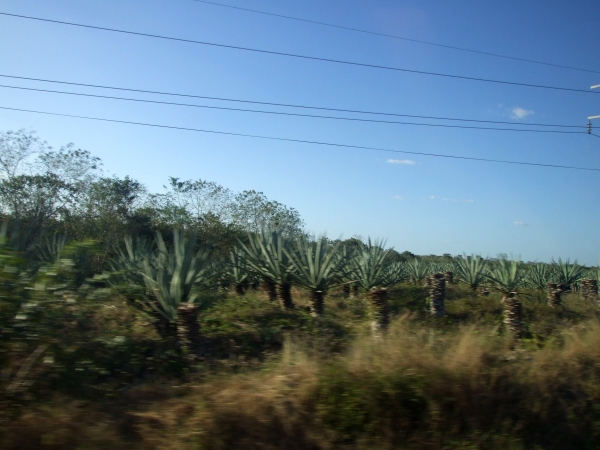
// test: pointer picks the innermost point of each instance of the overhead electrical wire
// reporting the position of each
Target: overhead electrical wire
(286, 105)
(304, 57)
(303, 141)
(393, 36)
(354, 119)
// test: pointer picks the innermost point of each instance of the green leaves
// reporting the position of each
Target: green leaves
(566, 273)
(470, 270)
(317, 265)
(266, 255)
(369, 265)
(538, 276)
(418, 270)
(506, 276)
(172, 276)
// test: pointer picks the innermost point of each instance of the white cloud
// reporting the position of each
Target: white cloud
(398, 197)
(470, 200)
(520, 113)
(520, 224)
(407, 162)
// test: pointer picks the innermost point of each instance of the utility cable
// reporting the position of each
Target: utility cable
(286, 105)
(354, 119)
(302, 141)
(304, 57)
(374, 33)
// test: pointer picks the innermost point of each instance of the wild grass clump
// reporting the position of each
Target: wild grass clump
(468, 388)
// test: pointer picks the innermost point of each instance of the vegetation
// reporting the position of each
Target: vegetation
(135, 320)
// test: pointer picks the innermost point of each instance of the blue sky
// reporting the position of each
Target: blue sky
(430, 205)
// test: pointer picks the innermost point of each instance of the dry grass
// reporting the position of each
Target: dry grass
(452, 384)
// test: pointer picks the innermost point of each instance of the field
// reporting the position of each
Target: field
(270, 378)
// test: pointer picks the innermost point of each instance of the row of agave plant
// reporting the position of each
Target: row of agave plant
(167, 281)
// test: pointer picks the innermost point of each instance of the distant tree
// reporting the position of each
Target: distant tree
(253, 211)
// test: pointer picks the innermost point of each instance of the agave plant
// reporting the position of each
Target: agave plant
(369, 270)
(470, 270)
(563, 276)
(537, 276)
(171, 277)
(507, 277)
(265, 256)
(369, 265)
(418, 271)
(317, 266)
(395, 273)
(346, 270)
(238, 273)
(566, 273)
(53, 249)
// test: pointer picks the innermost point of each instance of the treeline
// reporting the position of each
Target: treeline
(46, 192)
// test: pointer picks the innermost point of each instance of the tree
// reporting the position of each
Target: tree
(254, 212)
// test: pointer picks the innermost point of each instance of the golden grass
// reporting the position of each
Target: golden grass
(452, 384)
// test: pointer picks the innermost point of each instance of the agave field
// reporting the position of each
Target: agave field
(201, 318)
(366, 347)
(168, 281)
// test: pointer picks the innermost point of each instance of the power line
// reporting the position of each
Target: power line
(287, 105)
(305, 57)
(354, 119)
(302, 141)
(374, 33)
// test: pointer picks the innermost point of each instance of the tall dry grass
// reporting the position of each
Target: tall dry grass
(458, 383)
(418, 389)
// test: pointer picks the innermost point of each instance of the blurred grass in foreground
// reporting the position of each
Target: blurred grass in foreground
(274, 379)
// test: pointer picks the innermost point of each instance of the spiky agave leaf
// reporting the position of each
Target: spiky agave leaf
(368, 267)
(418, 270)
(237, 271)
(127, 265)
(395, 273)
(537, 276)
(506, 276)
(171, 276)
(265, 256)
(566, 273)
(52, 251)
(470, 270)
(317, 264)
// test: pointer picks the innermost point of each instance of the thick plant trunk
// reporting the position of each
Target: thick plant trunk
(437, 295)
(188, 330)
(484, 292)
(589, 289)
(380, 311)
(449, 277)
(355, 291)
(285, 296)
(241, 288)
(513, 314)
(346, 291)
(316, 303)
(270, 288)
(164, 327)
(555, 295)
